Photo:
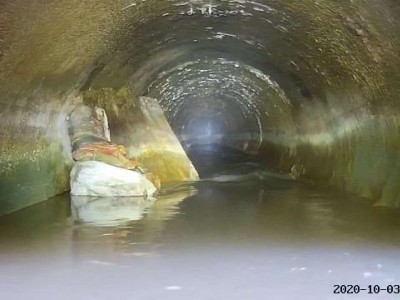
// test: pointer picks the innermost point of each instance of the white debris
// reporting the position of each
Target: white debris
(173, 288)
(101, 263)
(129, 6)
(94, 178)
(298, 269)
(367, 274)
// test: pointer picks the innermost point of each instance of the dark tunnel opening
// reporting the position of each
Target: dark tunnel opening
(214, 160)
(220, 91)
(213, 105)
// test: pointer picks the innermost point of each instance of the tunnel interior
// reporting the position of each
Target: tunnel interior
(288, 109)
(214, 79)
(305, 87)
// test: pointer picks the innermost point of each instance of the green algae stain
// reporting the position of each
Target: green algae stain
(168, 166)
(33, 176)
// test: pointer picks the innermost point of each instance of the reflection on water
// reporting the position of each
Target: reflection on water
(248, 237)
(108, 211)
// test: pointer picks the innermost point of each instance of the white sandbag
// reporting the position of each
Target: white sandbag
(94, 178)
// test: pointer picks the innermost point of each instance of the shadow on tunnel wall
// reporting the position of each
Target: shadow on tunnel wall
(316, 82)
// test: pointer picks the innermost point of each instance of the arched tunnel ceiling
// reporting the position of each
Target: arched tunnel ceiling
(323, 42)
(334, 66)
(310, 48)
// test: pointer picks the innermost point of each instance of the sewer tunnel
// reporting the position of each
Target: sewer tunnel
(307, 89)
(310, 87)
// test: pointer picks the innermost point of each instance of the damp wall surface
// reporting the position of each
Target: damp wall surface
(311, 86)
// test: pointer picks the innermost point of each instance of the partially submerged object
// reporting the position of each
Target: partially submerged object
(153, 153)
(95, 178)
(102, 168)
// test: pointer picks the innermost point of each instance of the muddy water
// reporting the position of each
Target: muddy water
(235, 235)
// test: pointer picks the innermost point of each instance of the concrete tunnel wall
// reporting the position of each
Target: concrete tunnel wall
(313, 85)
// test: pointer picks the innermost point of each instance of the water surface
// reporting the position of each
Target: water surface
(234, 235)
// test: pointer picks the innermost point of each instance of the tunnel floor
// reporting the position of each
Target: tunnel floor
(270, 238)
